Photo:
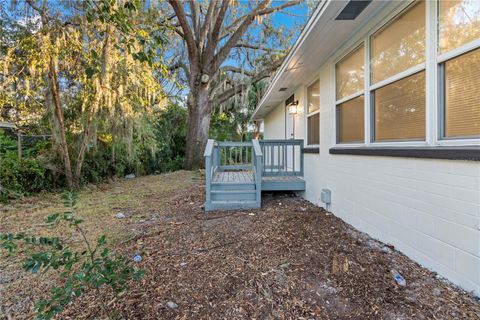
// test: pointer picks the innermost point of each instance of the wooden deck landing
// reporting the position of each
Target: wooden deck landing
(269, 183)
(236, 173)
(233, 177)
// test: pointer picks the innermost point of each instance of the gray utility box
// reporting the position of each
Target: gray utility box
(326, 196)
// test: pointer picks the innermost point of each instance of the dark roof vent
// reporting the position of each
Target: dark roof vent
(282, 89)
(353, 9)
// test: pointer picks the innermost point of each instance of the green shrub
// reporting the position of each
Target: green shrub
(20, 177)
(89, 268)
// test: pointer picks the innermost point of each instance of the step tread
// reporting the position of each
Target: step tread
(233, 191)
(233, 201)
(232, 183)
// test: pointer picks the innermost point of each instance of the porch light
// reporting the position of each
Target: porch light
(292, 108)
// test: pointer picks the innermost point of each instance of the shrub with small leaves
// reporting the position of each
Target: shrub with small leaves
(90, 268)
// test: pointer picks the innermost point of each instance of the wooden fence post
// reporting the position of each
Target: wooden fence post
(19, 145)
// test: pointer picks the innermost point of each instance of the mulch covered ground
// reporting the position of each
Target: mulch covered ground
(289, 260)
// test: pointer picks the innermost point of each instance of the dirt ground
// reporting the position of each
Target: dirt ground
(288, 260)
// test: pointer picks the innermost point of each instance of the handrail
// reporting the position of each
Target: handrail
(282, 157)
(209, 148)
(233, 144)
(234, 155)
(256, 147)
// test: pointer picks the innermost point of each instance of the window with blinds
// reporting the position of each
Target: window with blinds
(350, 121)
(459, 25)
(462, 95)
(400, 109)
(399, 45)
(313, 127)
(397, 74)
(349, 88)
(313, 113)
(349, 73)
(399, 106)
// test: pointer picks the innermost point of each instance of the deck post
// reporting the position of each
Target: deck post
(209, 149)
(302, 161)
(257, 151)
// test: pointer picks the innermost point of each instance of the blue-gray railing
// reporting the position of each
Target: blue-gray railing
(282, 157)
(262, 157)
(234, 155)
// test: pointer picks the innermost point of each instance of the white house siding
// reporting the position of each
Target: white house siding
(428, 209)
(274, 124)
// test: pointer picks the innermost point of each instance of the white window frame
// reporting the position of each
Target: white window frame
(433, 60)
(357, 94)
(307, 114)
(439, 59)
(396, 77)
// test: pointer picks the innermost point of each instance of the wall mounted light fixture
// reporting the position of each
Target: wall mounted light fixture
(292, 107)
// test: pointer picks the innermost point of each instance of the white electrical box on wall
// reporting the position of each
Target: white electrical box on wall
(326, 196)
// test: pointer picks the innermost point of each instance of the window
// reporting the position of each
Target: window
(350, 83)
(313, 113)
(459, 24)
(349, 74)
(462, 91)
(350, 121)
(401, 79)
(400, 109)
(399, 45)
(398, 51)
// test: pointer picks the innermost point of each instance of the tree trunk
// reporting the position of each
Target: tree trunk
(87, 132)
(199, 115)
(58, 123)
(100, 82)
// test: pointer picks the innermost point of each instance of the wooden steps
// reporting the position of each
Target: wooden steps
(236, 173)
(233, 190)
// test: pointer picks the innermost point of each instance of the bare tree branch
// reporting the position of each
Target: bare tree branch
(187, 31)
(206, 23)
(280, 7)
(227, 94)
(194, 16)
(179, 65)
(237, 70)
(239, 32)
(237, 35)
(215, 32)
(254, 47)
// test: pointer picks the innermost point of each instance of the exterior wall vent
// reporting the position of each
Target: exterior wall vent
(353, 9)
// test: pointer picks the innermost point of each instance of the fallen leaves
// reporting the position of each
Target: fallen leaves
(288, 260)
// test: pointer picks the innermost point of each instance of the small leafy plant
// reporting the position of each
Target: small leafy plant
(92, 267)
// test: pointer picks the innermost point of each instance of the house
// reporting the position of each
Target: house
(385, 96)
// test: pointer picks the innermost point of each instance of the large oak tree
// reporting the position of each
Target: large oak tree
(213, 33)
